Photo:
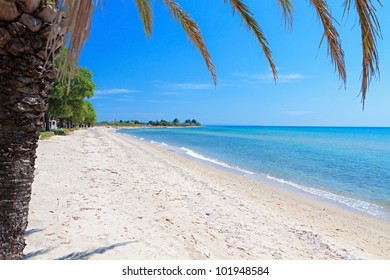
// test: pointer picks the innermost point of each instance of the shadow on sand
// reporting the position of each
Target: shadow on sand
(31, 231)
(73, 256)
(86, 254)
(36, 253)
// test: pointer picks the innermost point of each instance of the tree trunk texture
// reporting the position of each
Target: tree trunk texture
(25, 82)
(47, 122)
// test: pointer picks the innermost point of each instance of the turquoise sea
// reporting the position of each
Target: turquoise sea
(343, 165)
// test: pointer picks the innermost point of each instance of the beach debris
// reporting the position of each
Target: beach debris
(158, 193)
(316, 242)
(90, 208)
(194, 239)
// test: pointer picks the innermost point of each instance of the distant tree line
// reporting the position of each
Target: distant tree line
(162, 123)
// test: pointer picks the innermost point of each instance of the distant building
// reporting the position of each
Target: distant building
(53, 124)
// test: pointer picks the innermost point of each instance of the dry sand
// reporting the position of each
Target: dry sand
(101, 195)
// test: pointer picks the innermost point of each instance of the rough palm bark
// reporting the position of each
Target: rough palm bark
(25, 81)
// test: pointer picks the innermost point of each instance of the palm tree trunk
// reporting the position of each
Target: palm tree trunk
(25, 81)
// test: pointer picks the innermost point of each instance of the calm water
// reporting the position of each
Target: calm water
(350, 166)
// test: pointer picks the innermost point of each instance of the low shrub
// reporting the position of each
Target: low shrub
(46, 134)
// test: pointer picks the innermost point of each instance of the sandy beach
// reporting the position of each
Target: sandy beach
(102, 195)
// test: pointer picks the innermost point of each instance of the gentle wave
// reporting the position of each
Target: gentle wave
(214, 161)
(360, 205)
(364, 206)
(357, 204)
(194, 154)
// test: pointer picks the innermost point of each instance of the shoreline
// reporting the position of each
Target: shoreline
(147, 127)
(338, 200)
(103, 195)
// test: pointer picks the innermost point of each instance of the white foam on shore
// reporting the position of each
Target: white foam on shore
(196, 155)
(364, 206)
(360, 205)
(214, 161)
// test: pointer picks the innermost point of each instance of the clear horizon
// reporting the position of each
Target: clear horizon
(164, 77)
(323, 126)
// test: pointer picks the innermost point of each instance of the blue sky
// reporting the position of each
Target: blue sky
(164, 77)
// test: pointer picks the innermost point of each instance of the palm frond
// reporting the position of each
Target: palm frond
(146, 14)
(330, 32)
(192, 31)
(75, 18)
(370, 32)
(251, 23)
(287, 10)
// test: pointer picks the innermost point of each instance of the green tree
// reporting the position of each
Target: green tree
(195, 122)
(176, 121)
(31, 34)
(89, 114)
(165, 123)
(69, 104)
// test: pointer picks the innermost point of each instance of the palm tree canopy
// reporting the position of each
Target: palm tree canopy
(76, 17)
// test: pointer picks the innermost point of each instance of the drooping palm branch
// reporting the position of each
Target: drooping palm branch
(370, 31)
(246, 15)
(79, 15)
(330, 32)
(76, 18)
(146, 13)
(193, 33)
(287, 10)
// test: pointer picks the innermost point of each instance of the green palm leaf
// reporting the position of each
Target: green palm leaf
(77, 25)
(78, 16)
(146, 14)
(330, 32)
(251, 23)
(370, 31)
(287, 10)
(192, 31)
